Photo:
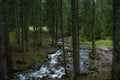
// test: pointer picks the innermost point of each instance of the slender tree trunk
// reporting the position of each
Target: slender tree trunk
(56, 29)
(5, 55)
(93, 28)
(116, 40)
(6, 39)
(56, 20)
(53, 29)
(23, 32)
(62, 30)
(76, 61)
(26, 16)
(17, 18)
(53, 20)
(3, 66)
(40, 21)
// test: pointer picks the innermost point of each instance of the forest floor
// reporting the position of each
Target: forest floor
(34, 58)
(102, 65)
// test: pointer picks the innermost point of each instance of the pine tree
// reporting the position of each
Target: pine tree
(75, 39)
(6, 72)
(116, 41)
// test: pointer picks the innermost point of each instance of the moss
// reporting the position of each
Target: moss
(12, 34)
(39, 57)
(15, 79)
(106, 42)
(94, 56)
(107, 77)
(45, 28)
(21, 66)
(15, 47)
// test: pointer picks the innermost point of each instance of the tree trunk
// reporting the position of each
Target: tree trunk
(75, 44)
(5, 56)
(3, 66)
(93, 28)
(6, 39)
(40, 21)
(23, 31)
(17, 18)
(26, 16)
(116, 40)
(62, 30)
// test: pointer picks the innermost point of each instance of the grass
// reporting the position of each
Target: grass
(44, 28)
(15, 79)
(98, 43)
(40, 57)
(31, 28)
(104, 43)
(107, 77)
(12, 34)
(21, 66)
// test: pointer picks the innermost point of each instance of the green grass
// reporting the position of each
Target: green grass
(39, 57)
(12, 34)
(31, 28)
(44, 28)
(104, 43)
(107, 77)
(98, 43)
(15, 79)
(20, 65)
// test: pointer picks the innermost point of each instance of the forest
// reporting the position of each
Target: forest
(59, 39)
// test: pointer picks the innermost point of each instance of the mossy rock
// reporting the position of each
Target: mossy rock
(94, 56)
(107, 77)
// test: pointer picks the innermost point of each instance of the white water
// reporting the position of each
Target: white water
(84, 60)
(50, 71)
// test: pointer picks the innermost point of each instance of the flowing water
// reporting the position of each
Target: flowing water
(50, 70)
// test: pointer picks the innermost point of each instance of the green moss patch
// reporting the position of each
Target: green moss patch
(39, 57)
(22, 66)
(107, 77)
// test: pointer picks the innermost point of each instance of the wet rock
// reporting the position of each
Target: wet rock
(93, 68)
(87, 72)
(104, 48)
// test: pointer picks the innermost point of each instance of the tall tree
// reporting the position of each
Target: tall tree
(75, 37)
(93, 27)
(41, 24)
(17, 19)
(5, 55)
(3, 67)
(53, 21)
(6, 39)
(62, 31)
(116, 40)
(26, 22)
(23, 29)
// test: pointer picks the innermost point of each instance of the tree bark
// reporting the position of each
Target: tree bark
(93, 28)
(3, 66)
(6, 69)
(75, 44)
(62, 31)
(23, 31)
(17, 18)
(116, 40)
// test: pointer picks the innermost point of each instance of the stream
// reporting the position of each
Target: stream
(50, 70)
